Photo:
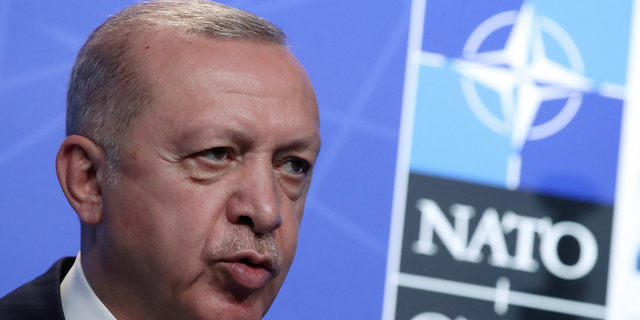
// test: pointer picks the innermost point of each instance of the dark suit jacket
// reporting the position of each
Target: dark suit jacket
(38, 299)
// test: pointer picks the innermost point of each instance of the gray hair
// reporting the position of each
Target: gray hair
(107, 91)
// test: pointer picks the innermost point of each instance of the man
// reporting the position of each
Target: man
(192, 136)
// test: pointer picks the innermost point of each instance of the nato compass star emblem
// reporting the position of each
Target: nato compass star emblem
(523, 76)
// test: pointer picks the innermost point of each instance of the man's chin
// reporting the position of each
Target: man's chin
(236, 303)
(231, 311)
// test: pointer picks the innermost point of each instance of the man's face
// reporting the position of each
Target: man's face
(213, 179)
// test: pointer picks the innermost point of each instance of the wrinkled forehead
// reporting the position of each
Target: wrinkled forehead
(193, 71)
(264, 67)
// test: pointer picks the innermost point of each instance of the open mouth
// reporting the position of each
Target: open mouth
(249, 263)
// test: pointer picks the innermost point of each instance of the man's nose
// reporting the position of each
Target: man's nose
(255, 200)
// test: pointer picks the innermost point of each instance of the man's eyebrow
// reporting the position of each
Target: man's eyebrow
(236, 136)
(240, 137)
(301, 144)
(244, 139)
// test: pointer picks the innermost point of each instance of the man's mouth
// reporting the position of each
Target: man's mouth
(250, 270)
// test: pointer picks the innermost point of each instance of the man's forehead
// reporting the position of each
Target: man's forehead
(191, 72)
(224, 65)
(160, 49)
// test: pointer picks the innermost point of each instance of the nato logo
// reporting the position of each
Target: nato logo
(509, 150)
(528, 98)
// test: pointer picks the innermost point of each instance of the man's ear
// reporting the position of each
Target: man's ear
(80, 164)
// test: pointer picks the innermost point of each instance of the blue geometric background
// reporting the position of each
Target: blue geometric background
(355, 54)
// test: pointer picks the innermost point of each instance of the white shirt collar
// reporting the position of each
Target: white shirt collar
(79, 302)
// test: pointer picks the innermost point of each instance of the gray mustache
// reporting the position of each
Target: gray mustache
(244, 239)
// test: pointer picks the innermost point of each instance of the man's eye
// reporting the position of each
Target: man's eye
(296, 166)
(216, 154)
